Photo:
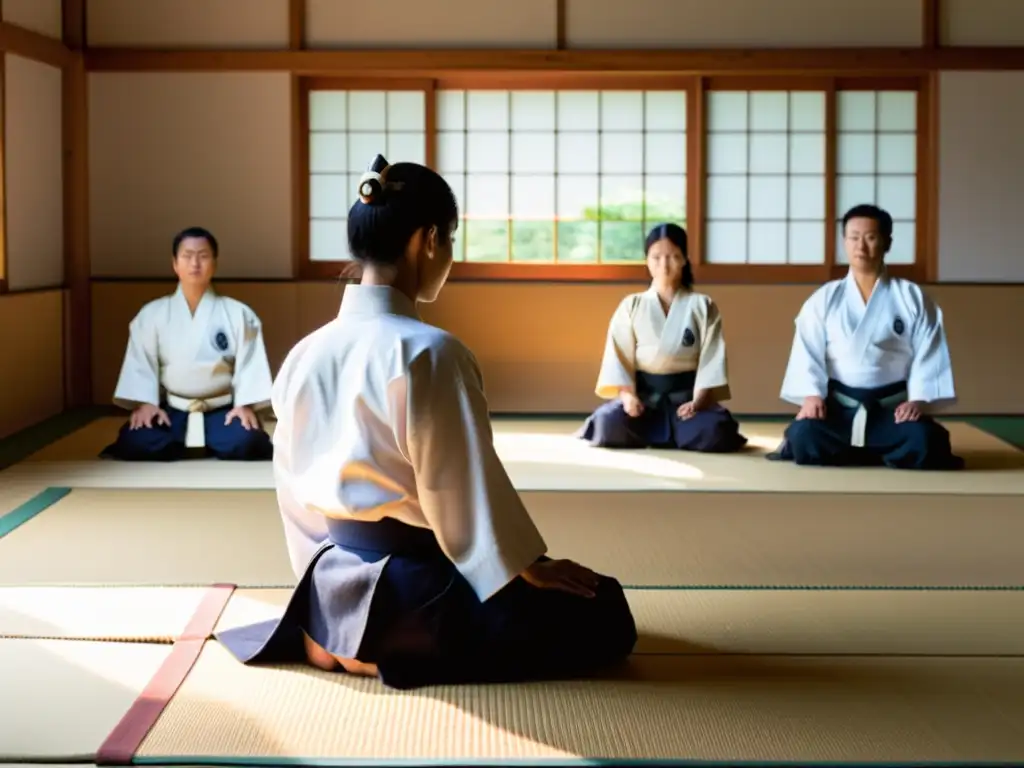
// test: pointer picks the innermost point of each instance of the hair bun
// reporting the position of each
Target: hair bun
(371, 183)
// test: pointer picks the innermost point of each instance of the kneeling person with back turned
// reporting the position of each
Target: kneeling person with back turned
(415, 557)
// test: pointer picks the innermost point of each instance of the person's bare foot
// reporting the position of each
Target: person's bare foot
(322, 659)
(354, 667)
(317, 656)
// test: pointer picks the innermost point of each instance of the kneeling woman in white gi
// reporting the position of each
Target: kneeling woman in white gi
(869, 357)
(664, 370)
(416, 559)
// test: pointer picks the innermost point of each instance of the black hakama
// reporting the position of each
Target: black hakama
(711, 430)
(921, 444)
(384, 593)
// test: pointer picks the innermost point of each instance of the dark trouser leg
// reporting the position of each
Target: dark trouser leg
(233, 442)
(825, 442)
(712, 430)
(922, 444)
(156, 443)
(522, 633)
(611, 427)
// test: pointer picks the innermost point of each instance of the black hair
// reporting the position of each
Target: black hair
(868, 211)
(395, 201)
(197, 232)
(677, 236)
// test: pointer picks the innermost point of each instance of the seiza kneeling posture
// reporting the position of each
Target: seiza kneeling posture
(196, 371)
(869, 355)
(664, 370)
(416, 559)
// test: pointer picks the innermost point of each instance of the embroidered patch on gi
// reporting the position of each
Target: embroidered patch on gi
(897, 325)
(221, 341)
(688, 338)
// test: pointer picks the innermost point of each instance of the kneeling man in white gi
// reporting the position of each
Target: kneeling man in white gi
(869, 360)
(196, 371)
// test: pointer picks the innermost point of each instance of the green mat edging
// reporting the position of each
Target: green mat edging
(19, 446)
(1009, 429)
(20, 515)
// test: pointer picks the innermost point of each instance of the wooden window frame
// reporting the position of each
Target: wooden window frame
(307, 269)
(696, 87)
(831, 269)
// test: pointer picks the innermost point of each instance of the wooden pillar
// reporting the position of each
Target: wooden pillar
(77, 269)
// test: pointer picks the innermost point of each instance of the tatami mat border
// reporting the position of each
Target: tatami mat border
(123, 742)
(20, 515)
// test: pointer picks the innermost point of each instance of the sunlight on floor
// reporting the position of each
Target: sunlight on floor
(569, 452)
(128, 665)
(96, 612)
(763, 441)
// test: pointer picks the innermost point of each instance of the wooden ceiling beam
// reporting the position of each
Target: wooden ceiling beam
(437, 63)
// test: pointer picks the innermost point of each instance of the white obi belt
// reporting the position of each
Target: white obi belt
(195, 433)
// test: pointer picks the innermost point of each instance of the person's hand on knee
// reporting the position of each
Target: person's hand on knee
(145, 414)
(564, 575)
(908, 411)
(813, 408)
(245, 415)
(631, 403)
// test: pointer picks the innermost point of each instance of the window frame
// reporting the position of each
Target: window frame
(696, 86)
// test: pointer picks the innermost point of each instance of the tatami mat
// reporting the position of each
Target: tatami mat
(132, 614)
(143, 538)
(182, 538)
(724, 708)
(669, 621)
(83, 443)
(59, 699)
(542, 455)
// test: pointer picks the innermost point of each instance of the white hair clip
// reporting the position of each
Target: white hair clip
(372, 183)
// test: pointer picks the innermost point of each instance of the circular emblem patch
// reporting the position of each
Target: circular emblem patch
(221, 341)
(688, 338)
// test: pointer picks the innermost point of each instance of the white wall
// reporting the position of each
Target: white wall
(741, 23)
(982, 22)
(175, 150)
(187, 23)
(33, 158)
(42, 16)
(981, 177)
(431, 23)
